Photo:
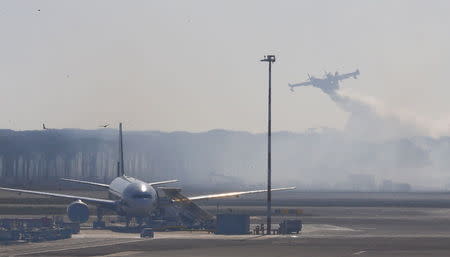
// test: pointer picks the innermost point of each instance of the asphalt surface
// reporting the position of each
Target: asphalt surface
(328, 231)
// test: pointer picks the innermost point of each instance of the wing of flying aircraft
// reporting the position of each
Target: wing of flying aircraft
(347, 75)
(307, 83)
(98, 201)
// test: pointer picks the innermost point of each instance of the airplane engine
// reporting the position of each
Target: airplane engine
(78, 212)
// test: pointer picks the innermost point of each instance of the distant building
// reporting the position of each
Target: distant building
(390, 186)
(361, 182)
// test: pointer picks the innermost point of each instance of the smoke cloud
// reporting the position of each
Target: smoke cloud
(380, 148)
(373, 120)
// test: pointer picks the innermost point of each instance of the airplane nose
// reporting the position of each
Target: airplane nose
(141, 207)
(140, 199)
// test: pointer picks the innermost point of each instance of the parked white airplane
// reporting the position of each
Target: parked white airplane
(131, 197)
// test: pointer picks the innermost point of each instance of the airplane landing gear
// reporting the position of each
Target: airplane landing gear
(134, 222)
(99, 223)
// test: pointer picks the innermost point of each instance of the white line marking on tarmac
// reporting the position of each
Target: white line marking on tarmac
(360, 252)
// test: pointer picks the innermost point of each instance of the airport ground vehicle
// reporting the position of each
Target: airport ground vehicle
(290, 226)
(147, 232)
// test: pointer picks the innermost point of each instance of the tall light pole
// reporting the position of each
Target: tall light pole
(270, 59)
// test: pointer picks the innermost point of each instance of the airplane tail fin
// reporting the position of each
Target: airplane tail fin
(120, 165)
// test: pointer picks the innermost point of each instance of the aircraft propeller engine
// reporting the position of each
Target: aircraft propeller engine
(78, 212)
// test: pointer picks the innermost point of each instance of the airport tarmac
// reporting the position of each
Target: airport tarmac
(328, 231)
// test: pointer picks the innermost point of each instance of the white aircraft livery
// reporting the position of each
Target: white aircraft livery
(131, 197)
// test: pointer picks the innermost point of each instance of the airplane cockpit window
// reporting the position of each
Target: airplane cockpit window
(143, 195)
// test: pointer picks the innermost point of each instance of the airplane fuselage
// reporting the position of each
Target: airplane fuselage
(135, 197)
(328, 85)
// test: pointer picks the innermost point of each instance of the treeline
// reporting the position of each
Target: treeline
(225, 160)
(198, 159)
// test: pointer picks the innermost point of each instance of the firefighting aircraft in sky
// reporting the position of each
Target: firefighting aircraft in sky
(133, 198)
(329, 83)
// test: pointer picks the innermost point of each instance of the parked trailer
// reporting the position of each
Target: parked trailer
(290, 226)
(232, 224)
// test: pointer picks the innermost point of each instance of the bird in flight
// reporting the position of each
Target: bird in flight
(104, 126)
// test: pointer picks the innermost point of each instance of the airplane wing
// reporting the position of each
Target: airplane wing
(104, 202)
(236, 194)
(307, 83)
(162, 182)
(86, 182)
(348, 75)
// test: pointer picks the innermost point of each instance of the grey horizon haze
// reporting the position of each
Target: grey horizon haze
(194, 66)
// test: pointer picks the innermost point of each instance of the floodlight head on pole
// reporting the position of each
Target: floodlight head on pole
(268, 58)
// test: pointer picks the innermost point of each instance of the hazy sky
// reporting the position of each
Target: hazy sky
(194, 65)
